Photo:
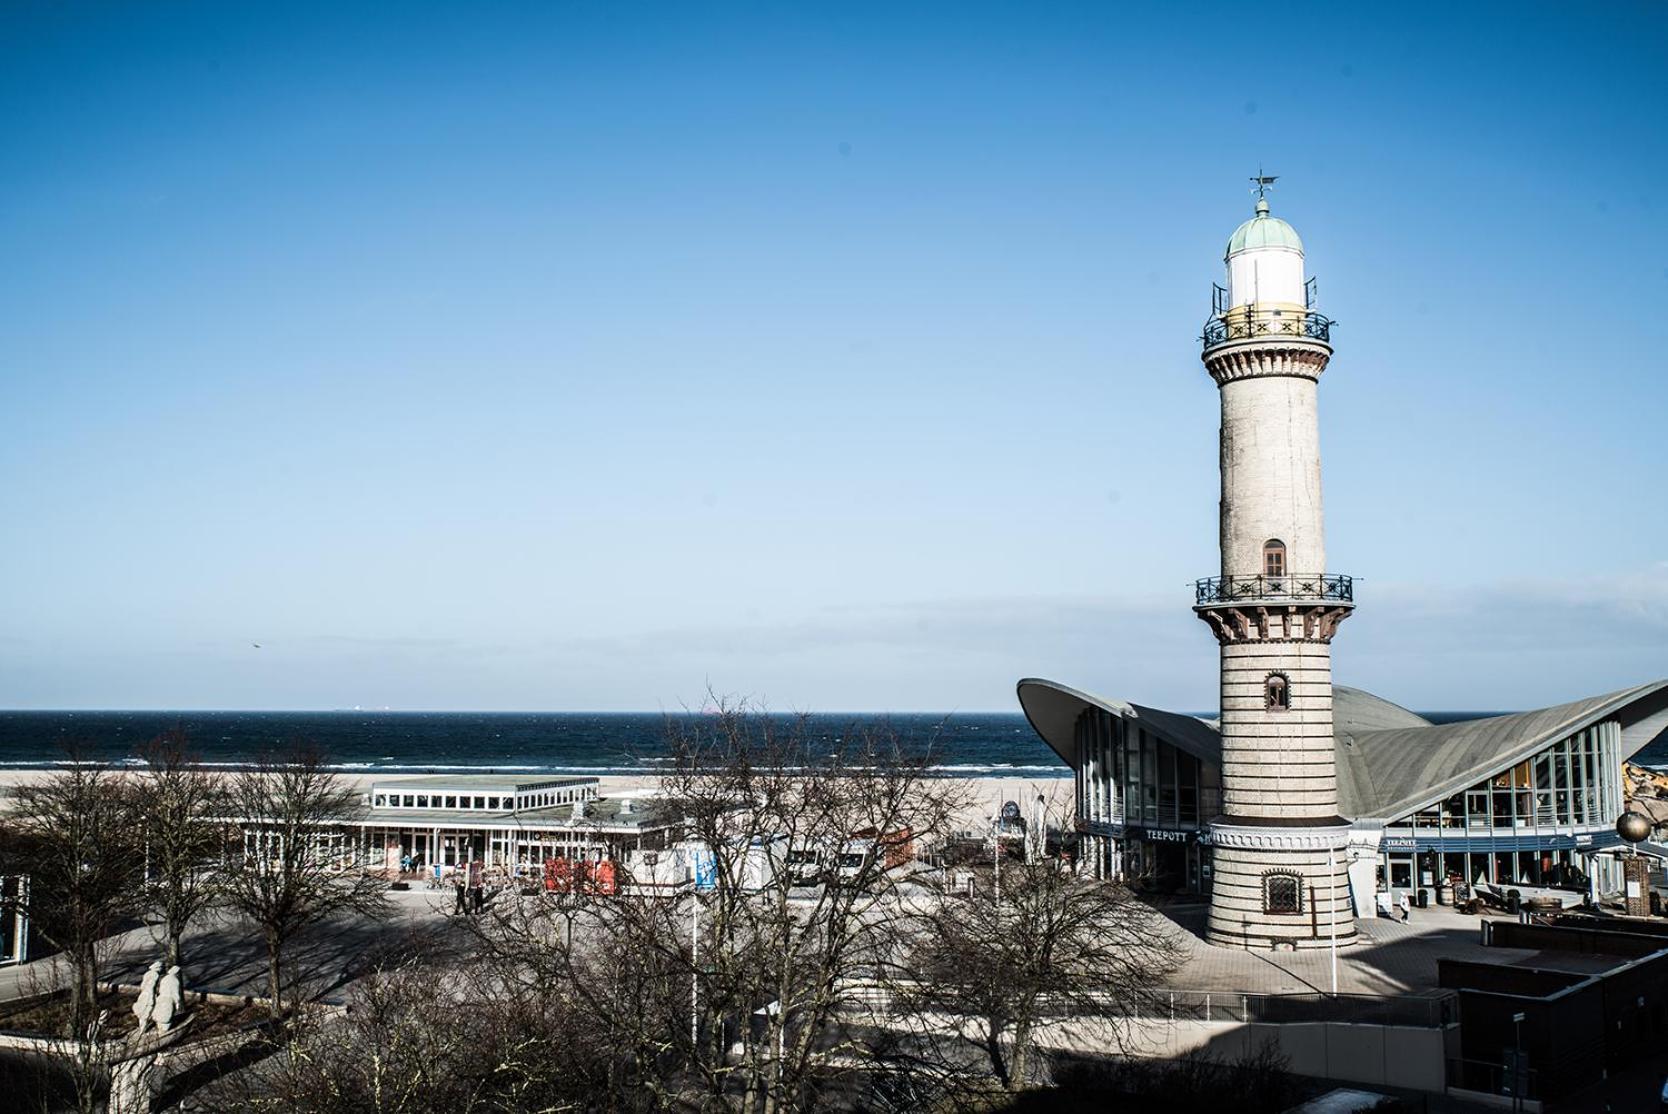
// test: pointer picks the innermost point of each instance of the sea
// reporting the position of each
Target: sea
(969, 744)
(961, 744)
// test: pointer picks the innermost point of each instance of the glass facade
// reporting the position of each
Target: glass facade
(1143, 803)
(1572, 782)
(1144, 808)
(1528, 824)
(1131, 776)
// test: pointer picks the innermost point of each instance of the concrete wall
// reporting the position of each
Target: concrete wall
(1387, 1055)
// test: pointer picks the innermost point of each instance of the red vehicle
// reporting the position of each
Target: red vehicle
(574, 876)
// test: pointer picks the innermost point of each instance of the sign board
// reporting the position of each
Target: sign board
(706, 868)
(1162, 835)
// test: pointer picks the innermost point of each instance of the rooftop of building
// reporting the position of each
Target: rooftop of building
(618, 812)
(512, 782)
(1264, 231)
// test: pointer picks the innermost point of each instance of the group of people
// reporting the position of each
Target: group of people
(474, 892)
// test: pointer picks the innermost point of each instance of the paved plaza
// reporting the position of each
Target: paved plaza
(1389, 959)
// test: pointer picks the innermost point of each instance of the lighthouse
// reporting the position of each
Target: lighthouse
(1277, 850)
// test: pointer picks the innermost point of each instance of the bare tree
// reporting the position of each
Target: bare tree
(178, 804)
(749, 989)
(76, 841)
(294, 865)
(991, 967)
(426, 1032)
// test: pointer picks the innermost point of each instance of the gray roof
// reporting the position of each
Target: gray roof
(504, 783)
(1390, 761)
(646, 812)
(1393, 772)
(1053, 710)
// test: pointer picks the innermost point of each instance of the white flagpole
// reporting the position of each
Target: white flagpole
(1332, 870)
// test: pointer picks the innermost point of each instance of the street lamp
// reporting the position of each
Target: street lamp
(1517, 1062)
(1634, 828)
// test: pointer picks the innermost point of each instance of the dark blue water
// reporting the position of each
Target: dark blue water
(990, 744)
(543, 742)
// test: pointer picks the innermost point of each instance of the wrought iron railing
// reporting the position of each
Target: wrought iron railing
(1292, 586)
(1245, 323)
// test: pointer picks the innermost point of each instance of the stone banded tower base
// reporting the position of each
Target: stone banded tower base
(1241, 859)
(1280, 784)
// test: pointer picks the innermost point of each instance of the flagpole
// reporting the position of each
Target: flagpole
(1332, 869)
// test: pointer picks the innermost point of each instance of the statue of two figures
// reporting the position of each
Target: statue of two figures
(159, 999)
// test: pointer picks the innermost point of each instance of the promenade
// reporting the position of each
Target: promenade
(1391, 959)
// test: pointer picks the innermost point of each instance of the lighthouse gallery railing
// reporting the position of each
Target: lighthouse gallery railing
(1245, 323)
(1292, 586)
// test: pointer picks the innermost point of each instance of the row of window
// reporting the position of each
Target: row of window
(1572, 782)
(1131, 776)
(487, 802)
(552, 797)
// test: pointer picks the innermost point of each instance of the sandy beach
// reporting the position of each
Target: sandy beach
(985, 795)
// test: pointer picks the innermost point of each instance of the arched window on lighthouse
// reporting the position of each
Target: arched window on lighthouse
(1274, 557)
(1277, 693)
(1282, 892)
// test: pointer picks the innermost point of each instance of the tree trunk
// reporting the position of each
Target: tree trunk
(173, 947)
(86, 994)
(274, 983)
(993, 1049)
(1020, 1055)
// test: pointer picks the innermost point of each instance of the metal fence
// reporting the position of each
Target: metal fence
(1426, 1011)
(1417, 1011)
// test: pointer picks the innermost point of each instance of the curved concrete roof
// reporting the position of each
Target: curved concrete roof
(1400, 770)
(1390, 761)
(1053, 710)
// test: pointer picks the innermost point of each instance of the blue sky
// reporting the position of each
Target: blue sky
(560, 356)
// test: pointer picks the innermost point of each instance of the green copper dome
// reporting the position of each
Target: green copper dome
(1264, 231)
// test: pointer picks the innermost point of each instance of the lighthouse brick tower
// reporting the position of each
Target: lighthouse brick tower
(1278, 849)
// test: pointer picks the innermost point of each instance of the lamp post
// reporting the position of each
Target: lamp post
(1517, 1062)
(1332, 873)
(694, 971)
(1634, 828)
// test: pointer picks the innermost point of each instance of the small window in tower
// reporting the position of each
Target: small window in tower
(1274, 557)
(1277, 693)
(1282, 893)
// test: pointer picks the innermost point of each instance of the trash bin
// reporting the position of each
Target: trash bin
(1514, 901)
(1423, 898)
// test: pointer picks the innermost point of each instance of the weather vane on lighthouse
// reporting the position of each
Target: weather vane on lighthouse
(1264, 182)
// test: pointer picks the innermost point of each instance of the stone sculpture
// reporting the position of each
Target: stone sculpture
(168, 1000)
(145, 1001)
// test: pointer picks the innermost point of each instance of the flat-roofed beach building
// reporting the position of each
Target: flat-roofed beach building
(504, 821)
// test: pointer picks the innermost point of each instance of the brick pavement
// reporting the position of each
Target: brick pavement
(1390, 958)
